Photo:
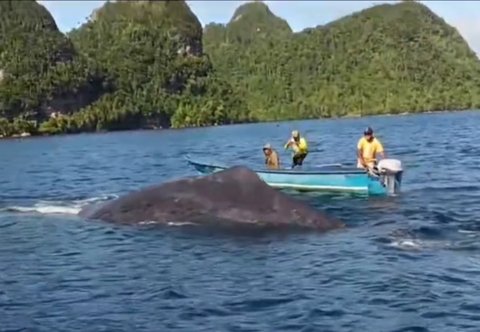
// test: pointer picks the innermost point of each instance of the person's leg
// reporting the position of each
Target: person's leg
(298, 159)
(295, 160)
(301, 157)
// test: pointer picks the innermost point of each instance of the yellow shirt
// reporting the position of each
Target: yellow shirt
(369, 149)
(300, 147)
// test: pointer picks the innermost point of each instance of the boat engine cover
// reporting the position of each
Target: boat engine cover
(391, 165)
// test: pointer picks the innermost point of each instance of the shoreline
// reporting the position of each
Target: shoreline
(24, 136)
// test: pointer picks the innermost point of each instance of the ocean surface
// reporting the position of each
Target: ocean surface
(405, 263)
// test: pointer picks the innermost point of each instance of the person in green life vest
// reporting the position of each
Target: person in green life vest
(299, 146)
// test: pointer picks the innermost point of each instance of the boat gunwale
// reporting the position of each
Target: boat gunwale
(286, 171)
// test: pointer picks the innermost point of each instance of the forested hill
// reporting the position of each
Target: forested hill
(40, 72)
(138, 64)
(250, 22)
(385, 59)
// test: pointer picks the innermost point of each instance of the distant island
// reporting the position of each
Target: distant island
(149, 64)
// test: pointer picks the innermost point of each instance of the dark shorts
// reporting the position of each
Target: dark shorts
(298, 159)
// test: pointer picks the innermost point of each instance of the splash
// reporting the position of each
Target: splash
(407, 244)
(71, 207)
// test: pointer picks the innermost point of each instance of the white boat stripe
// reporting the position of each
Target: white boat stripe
(294, 186)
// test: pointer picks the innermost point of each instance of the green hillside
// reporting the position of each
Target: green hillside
(385, 59)
(149, 64)
(152, 51)
(40, 72)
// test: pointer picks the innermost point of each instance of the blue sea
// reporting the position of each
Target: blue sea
(404, 263)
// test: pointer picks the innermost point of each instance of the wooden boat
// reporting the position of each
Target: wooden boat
(333, 177)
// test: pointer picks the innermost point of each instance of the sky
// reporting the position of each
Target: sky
(463, 15)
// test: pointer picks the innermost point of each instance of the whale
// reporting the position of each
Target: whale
(233, 198)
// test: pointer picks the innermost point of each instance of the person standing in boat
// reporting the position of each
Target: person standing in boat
(271, 157)
(368, 148)
(299, 146)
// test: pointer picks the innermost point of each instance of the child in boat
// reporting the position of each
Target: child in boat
(271, 157)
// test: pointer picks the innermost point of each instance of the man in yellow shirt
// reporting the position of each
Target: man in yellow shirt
(367, 150)
(299, 146)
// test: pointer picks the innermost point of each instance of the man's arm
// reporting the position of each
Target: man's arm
(360, 156)
(380, 150)
(289, 143)
(360, 152)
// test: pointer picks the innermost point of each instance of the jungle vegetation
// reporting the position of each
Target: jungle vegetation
(149, 64)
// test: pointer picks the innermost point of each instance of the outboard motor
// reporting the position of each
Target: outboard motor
(390, 172)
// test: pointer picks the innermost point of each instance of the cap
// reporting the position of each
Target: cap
(295, 133)
(267, 146)
(368, 131)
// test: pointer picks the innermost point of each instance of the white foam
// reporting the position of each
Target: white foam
(406, 244)
(57, 207)
(417, 244)
(147, 222)
(170, 223)
(471, 233)
(173, 223)
(45, 209)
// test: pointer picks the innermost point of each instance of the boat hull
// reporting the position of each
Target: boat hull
(323, 178)
(324, 182)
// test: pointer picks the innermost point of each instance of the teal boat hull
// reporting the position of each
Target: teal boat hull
(321, 178)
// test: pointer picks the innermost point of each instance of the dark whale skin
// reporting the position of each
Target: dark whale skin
(234, 197)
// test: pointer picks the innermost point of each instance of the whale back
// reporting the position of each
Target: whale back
(236, 195)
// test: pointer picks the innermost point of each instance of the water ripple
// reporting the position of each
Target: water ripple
(406, 263)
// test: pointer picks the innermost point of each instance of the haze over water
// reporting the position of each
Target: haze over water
(406, 263)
